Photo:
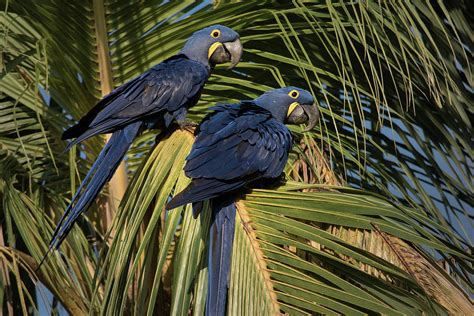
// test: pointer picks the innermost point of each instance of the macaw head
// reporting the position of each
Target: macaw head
(216, 44)
(291, 105)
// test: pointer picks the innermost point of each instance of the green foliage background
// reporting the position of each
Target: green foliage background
(394, 85)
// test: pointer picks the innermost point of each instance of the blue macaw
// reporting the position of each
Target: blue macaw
(159, 98)
(235, 146)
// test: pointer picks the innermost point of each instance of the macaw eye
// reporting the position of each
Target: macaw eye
(294, 94)
(216, 33)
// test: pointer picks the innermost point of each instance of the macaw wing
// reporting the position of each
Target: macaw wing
(235, 147)
(165, 87)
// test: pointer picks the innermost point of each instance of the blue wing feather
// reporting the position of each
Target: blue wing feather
(235, 145)
(167, 89)
(101, 172)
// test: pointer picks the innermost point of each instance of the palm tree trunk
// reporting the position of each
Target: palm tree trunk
(118, 183)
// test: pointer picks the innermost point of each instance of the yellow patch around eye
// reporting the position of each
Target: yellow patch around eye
(294, 94)
(213, 48)
(216, 33)
(291, 108)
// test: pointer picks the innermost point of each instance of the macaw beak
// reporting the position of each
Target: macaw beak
(220, 53)
(235, 50)
(305, 113)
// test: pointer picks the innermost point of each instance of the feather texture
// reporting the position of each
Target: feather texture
(221, 238)
(99, 174)
(164, 89)
(156, 98)
(235, 146)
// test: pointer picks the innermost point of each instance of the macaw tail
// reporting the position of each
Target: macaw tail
(99, 174)
(221, 239)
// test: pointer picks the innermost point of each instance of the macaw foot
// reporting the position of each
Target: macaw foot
(188, 125)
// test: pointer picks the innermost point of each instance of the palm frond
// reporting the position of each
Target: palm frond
(394, 85)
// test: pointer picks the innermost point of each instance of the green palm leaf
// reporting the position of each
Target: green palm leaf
(394, 84)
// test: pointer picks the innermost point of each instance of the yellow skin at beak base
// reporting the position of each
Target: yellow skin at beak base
(291, 108)
(213, 48)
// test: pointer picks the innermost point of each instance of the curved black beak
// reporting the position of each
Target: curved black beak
(227, 52)
(305, 113)
(235, 50)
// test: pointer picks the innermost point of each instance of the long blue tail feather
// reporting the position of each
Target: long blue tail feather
(100, 173)
(221, 239)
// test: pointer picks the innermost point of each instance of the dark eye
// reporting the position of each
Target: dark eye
(216, 33)
(294, 94)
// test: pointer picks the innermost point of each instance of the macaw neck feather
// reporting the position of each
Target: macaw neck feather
(278, 111)
(197, 51)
